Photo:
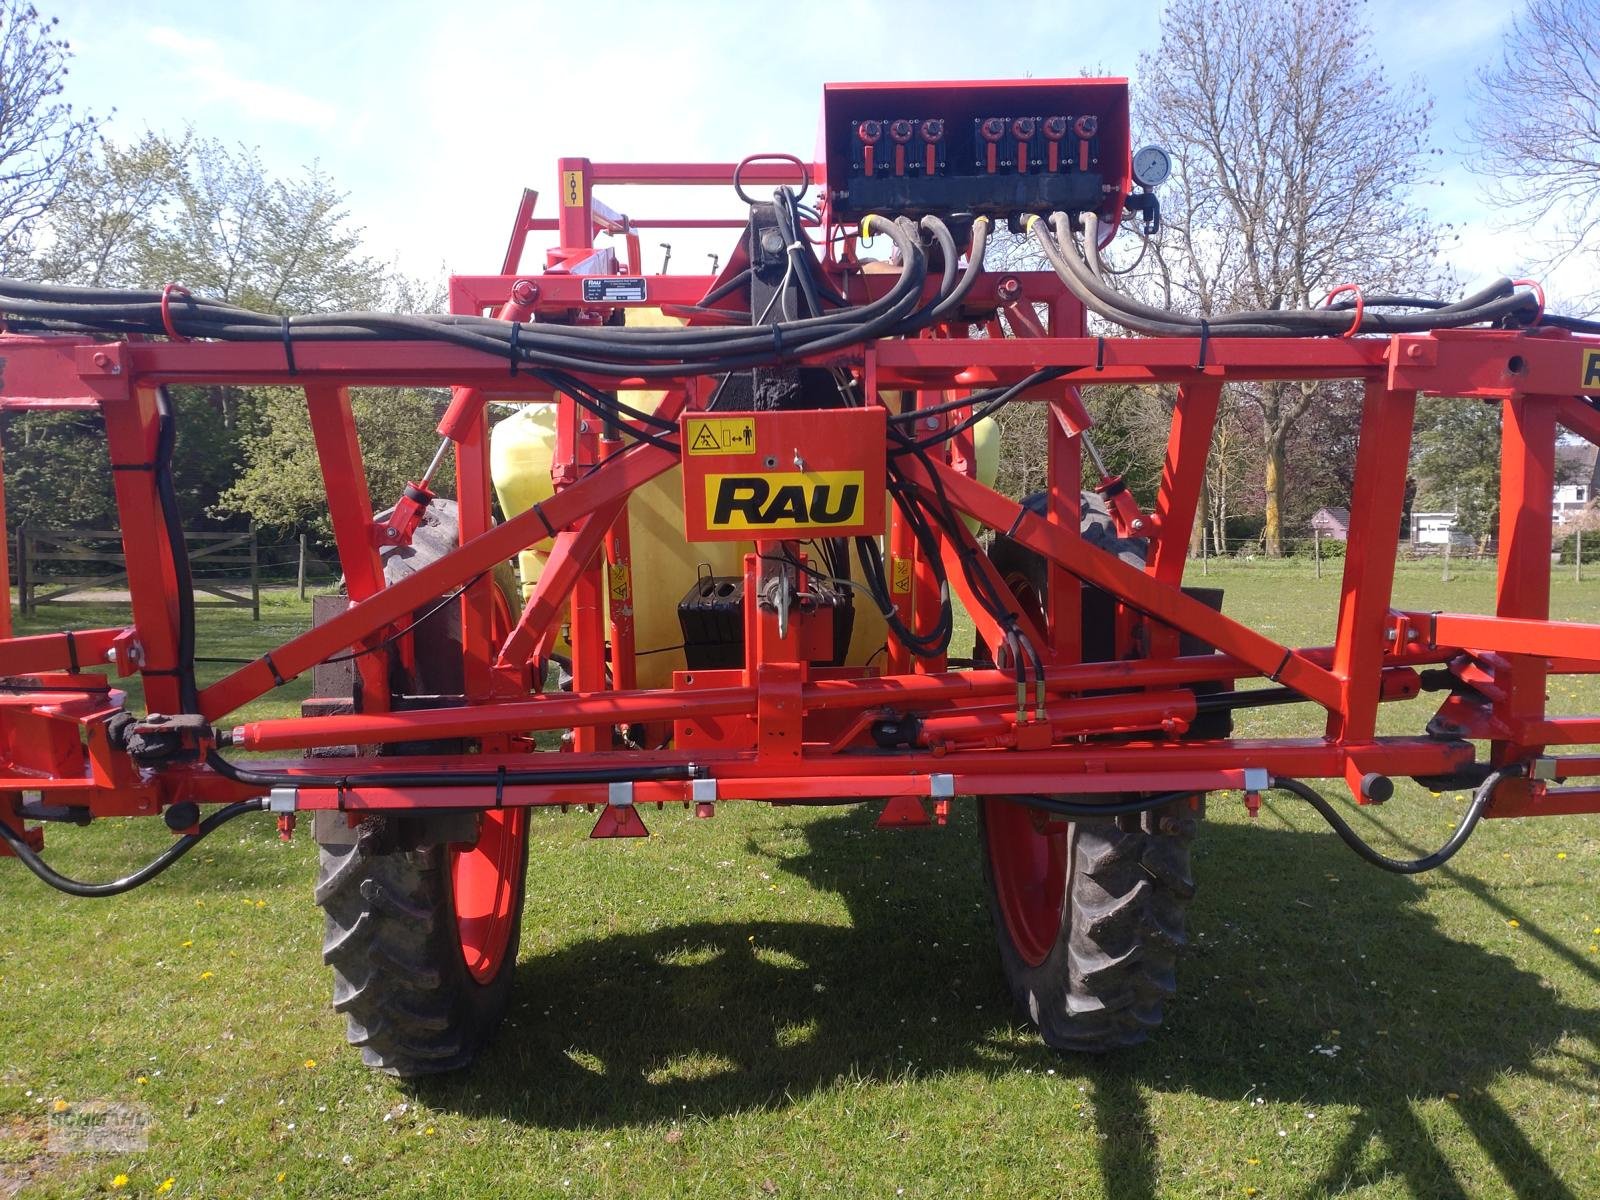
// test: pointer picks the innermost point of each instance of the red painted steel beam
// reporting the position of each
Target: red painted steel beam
(1522, 588)
(1134, 587)
(1377, 498)
(620, 476)
(910, 692)
(133, 436)
(1140, 766)
(56, 651)
(1194, 421)
(1511, 635)
(660, 174)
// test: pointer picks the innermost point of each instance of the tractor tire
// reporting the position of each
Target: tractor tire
(423, 912)
(1088, 914)
(1089, 942)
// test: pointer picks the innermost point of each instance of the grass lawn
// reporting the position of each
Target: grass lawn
(790, 1003)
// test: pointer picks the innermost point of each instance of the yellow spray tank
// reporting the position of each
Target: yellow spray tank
(664, 565)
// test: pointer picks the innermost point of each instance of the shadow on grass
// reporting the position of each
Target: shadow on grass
(1296, 948)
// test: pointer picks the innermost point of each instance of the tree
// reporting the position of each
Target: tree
(1536, 116)
(39, 133)
(275, 244)
(116, 199)
(1294, 167)
(193, 211)
(279, 484)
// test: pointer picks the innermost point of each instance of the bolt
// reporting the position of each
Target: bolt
(772, 242)
(1008, 289)
(111, 656)
(391, 531)
(930, 422)
(799, 463)
(583, 427)
(524, 291)
(1413, 351)
(102, 360)
(1137, 524)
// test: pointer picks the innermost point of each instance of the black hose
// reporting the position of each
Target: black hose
(172, 520)
(116, 887)
(603, 350)
(449, 779)
(1402, 866)
(1496, 303)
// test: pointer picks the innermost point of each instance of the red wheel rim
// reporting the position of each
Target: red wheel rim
(487, 878)
(487, 881)
(1028, 863)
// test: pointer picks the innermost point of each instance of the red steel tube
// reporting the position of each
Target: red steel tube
(1092, 714)
(591, 708)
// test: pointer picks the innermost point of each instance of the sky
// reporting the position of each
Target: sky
(434, 116)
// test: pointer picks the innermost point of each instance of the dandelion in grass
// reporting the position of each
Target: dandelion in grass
(165, 1186)
(310, 1063)
(1514, 923)
(189, 943)
(206, 974)
(119, 1181)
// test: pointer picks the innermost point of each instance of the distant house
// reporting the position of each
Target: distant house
(1580, 465)
(1332, 523)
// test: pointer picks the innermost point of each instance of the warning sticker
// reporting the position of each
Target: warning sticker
(900, 584)
(721, 435)
(1591, 371)
(621, 580)
(571, 189)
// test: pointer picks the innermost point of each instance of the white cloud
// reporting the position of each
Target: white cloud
(218, 81)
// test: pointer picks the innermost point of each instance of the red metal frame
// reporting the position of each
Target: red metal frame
(779, 729)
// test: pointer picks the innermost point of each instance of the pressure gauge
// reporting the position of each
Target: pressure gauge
(1151, 166)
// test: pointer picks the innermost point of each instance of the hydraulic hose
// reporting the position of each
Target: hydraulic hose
(980, 242)
(605, 350)
(1402, 866)
(172, 521)
(447, 779)
(1497, 302)
(180, 847)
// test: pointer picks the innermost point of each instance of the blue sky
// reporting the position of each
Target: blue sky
(435, 115)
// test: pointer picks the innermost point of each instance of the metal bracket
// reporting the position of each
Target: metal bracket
(1543, 767)
(702, 791)
(283, 800)
(1256, 779)
(942, 786)
(620, 795)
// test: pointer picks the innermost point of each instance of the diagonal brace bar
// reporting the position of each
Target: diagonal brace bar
(1133, 586)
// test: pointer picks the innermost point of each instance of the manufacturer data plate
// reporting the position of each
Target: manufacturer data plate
(614, 289)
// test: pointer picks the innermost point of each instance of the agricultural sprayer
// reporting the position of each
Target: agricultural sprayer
(743, 509)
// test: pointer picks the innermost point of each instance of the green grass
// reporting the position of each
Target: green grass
(791, 1003)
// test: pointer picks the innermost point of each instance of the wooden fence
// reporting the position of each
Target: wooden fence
(61, 566)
